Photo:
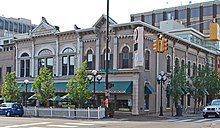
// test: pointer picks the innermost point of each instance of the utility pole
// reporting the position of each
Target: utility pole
(106, 63)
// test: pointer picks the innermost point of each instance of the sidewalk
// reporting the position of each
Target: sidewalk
(126, 116)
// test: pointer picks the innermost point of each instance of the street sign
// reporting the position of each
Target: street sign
(107, 93)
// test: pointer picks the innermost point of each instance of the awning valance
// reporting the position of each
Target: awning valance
(148, 89)
(119, 87)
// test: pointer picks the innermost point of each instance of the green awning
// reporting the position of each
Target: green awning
(148, 89)
(119, 87)
(59, 86)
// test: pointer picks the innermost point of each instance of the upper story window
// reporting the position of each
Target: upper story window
(148, 19)
(182, 63)
(68, 62)
(15, 27)
(110, 59)
(137, 18)
(168, 64)
(8, 69)
(207, 11)
(170, 15)
(189, 68)
(1, 24)
(194, 12)
(11, 26)
(194, 69)
(20, 28)
(177, 65)
(182, 14)
(25, 65)
(90, 60)
(158, 17)
(125, 58)
(147, 60)
(45, 60)
(6, 25)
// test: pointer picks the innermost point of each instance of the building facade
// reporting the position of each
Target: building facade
(198, 15)
(135, 86)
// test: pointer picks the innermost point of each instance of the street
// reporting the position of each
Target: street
(183, 122)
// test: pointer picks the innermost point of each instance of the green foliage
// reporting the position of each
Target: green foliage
(43, 85)
(178, 84)
(77, 87)
(10, 90)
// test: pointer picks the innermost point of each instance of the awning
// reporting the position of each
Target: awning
(119, 87)
(148, 89)
(59, 86)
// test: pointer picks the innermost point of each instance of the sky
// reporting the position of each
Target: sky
(83, 13)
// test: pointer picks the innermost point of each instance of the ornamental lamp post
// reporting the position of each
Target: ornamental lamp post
(26, 83)
(94, 75)
(161, 78)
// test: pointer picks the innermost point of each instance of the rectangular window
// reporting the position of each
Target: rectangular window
(188, 100)
(207, 11)
(148, 19)
(147, 61)
(170, 15)
(182, 14)
(41, 63)
(71, 65)
(168, 101)
(89, 57)
(158, 17)
(22, 69)
(64, 65)
(194, 12)
(8, 69)
(146, 103)
(27, 68)
(50, 64)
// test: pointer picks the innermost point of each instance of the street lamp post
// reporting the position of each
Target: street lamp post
(26, 83)
(93, 76)
(161, 79)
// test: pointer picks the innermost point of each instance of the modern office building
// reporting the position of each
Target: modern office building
(198, 15)
(134, 76)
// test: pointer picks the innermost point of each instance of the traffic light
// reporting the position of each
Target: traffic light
(110, 85)
(156, 45)
(165, 44)
(135, 46)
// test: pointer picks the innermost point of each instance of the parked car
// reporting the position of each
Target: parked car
(212, 109)
(9, 109)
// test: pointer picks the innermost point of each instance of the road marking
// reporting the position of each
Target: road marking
(186, 120)
(85, 124)
(62, 126)
(202, 120)
(23, 125)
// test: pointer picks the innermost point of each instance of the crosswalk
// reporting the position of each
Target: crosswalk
(195, 120)
(51, 125)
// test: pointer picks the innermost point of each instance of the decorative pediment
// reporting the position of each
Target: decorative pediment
(102, 22)
(44, 28)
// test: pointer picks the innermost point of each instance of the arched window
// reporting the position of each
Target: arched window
(194, 69)
(68, 50)
(147, 60)
(189, 68)
(25, 65)
(177, 65)
(125, 58)
(68, 61)
(90, 60)
(182, 63)
(45, 60)
(168, 64)
(110, 59)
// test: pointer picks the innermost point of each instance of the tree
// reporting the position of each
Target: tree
(77, 86)
(178, 85)
(43, 85)
(211, 82)
(10, 90)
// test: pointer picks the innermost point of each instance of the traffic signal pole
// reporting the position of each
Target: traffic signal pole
(106, 63)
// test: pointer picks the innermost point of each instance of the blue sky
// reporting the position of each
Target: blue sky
(84, 13)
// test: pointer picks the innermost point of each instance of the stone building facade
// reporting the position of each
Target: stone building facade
(135, 88)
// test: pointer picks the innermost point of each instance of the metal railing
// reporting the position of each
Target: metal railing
(65, 112)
